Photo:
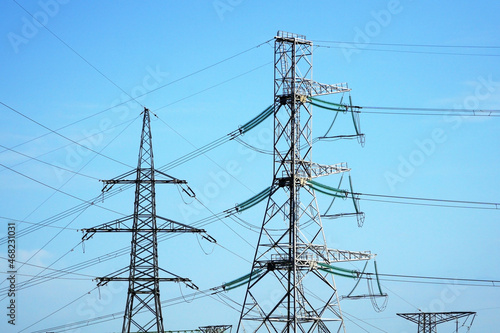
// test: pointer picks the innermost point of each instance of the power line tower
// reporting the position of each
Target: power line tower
(292, 244)
(427, 321)
(143, 308)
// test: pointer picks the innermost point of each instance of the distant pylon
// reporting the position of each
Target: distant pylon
(427, 321)
(292, 244)
(143, 309)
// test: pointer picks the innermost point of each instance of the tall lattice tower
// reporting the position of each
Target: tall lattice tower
(292, 249)
(143, 309)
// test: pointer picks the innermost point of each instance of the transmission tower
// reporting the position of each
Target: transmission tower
(292, 244)
(143, 309)
(427, 321)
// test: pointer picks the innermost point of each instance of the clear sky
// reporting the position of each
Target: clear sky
(95, 53)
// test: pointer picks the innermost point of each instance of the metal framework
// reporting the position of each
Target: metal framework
(215, 328)
(427, 321)
(143, 310)
(292, 242)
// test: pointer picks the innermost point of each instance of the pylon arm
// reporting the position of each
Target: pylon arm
(108, 183)
(434, 318)
(319, 253)
(319, 170)
(316, 89)
(343, 255)
(120, 225)
(101, 281)
(308, 255)
(143, 181)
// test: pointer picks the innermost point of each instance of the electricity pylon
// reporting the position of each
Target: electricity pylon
(292, 244)
(427, 321)
(143, 308)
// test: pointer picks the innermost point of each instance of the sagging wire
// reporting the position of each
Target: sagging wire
(184, 298)
(372, 295)
(201, 247)
(344, 108)
(338, 193)
(190, 193)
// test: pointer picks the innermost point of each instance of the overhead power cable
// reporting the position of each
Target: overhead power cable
(49, 164)
(60, 191)
(78, 54)
(475, 204)
(410, 51)
(163, 86)
(63, 136)
(486, 282)
(57, 217)
(412, 45)
(183, 159)
(429, 109)
(208, 67)
(213, 86)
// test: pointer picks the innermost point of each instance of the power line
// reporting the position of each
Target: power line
(66, 145)
(459, 281)
(48, 268)
(163, 86)
(214, 86)
(78, 54)
(426, 109)
(413, 45)
(34, 223)
(60, 191)
(427, 114)
(56, 311)
(59, 278)
(393, 110)
(49, 164)
(71, 211)
(409, 51)
(479, 203)
(62, 136)
(205, 68)
(429, 205)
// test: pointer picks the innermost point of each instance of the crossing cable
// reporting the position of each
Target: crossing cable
(63, 136)
(78, 54)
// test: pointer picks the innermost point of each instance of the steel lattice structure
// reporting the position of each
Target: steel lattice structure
(143, 309)
(292, 242)
(427, 321)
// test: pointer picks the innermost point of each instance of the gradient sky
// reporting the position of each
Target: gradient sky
(97, 51)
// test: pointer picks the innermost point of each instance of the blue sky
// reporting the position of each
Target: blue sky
(106, 49)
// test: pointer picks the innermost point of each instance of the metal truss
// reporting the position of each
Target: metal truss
(143, 273)
(427, 321)
(284, 299)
